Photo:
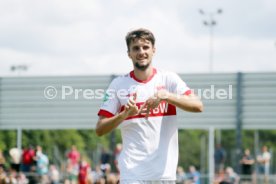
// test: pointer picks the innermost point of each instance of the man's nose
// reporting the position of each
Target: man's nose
(141, 50)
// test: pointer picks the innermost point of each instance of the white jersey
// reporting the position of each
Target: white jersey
(150, 146)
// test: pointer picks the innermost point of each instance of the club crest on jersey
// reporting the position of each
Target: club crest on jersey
(106, 97)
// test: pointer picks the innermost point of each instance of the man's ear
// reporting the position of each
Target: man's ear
(153, 49)
(128, 54)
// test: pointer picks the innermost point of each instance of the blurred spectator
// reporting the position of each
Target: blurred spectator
(42, 163)
(264, 163)
(219, 177)
(111, 178)
(84, 170)
(28, 156)
(231, 176)
(105, 161)
(220, 157)
(73, 156)
(225, 182)
(2, 175)
(72, 172)
(194, 175)
(32, 175)
(21, 179)
(117, 152)
(11, 178)
(180, 175)
(53, 174)
(2, 160)
(247, 162)
(15, 155)
(105, 156)
(98, 175)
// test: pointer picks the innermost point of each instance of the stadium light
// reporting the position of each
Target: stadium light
(210, 22)
(19, 68)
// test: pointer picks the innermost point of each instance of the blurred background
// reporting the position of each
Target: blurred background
(230, 45)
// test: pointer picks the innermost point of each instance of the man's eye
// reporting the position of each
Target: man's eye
(146, 47)
(135, 48)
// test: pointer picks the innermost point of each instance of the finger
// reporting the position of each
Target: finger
(132, 105)
(142, 108)
(148, 110)
(151, 105)
(135, 96)
(143, 111)
(126, 107)
(155, 105)
(131, 101)
(136, 110)
(151, 102)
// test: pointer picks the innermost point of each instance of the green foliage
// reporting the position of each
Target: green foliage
(56, 143)
(248, 139)
(189, 147)
(268, 137)
(7, 139)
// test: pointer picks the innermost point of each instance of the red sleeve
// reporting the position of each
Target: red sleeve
(188, 92)
(105, 113)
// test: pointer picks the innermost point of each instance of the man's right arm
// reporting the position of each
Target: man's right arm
(106, 125)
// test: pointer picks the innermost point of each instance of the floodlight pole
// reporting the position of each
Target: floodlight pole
(18, 69)
(19, 138)
(211, 154)
(211, 22)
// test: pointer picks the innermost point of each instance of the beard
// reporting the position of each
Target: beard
(141, 67)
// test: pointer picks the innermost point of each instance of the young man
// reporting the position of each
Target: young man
(143, 104)
(264, 163)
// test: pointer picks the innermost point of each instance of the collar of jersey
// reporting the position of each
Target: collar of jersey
(143, 81)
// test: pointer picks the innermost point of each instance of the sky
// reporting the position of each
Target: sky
(87, 37)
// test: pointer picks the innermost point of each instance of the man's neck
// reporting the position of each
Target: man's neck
(143, 75)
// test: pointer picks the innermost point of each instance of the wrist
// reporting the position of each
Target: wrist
(123, 115)
(163, 95)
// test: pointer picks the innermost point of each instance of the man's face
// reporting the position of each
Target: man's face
(141, 52)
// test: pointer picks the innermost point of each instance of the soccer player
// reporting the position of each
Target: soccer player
(143, 105)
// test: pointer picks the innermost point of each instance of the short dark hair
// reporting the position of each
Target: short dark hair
(140, 34)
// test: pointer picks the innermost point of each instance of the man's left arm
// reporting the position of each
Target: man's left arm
(180, 95)
(190, 103)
